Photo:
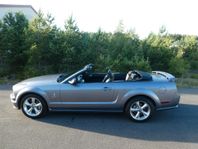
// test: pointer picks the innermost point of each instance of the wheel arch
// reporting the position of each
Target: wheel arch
(20, 97)
(139, 95)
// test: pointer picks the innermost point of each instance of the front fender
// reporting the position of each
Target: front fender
(30, 90)
(141, 92)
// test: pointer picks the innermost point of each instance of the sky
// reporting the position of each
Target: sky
(143, 16)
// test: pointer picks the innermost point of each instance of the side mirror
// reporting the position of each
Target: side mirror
(73, 81)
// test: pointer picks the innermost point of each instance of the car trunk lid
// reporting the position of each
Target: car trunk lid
(162, 76)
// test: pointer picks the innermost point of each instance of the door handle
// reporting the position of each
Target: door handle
(107, 88)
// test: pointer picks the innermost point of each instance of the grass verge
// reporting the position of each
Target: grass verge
(187, 82)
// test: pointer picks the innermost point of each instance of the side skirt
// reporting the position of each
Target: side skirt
(84, 110)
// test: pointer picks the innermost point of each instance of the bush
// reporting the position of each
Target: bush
(194, 75)
(178, 66)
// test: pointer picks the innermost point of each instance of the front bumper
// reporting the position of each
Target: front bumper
(14, 101)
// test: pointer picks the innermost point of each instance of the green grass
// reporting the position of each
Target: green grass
(194, 76)
(187, 82)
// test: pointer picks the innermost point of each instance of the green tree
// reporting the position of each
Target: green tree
(72, 46)
(40, 47)
(178, 66)
(190, 50)
(46, 51)
(157, 49)
(96, 50)
(13, 45)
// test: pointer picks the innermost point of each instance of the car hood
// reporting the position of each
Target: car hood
(36, 81)
(41, 79)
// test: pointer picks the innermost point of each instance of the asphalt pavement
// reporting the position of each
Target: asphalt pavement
(171, 129)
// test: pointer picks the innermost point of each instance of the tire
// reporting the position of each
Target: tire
(33, 106)
(140, 109)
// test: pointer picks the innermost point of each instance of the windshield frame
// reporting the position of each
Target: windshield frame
(86, 68)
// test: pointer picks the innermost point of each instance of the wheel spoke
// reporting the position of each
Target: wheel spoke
(145, 113)
(33, 100)
(137, 115)
(145, 105)
(27, 103)
(138, 104)
(30, 110)
(134, 109)
(38, 104)
(36, 110)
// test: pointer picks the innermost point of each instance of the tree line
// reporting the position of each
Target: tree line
(39, 47)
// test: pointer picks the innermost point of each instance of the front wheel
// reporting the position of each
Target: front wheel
(33, 106)
(140, 109)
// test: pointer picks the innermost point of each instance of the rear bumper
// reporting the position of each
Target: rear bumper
(171, 104)
(13, 101)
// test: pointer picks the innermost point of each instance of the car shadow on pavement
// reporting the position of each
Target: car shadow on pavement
(180, 125)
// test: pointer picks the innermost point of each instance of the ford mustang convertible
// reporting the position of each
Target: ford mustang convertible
(139, 94)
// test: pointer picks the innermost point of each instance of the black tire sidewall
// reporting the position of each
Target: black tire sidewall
(44, 106)
(140, 98)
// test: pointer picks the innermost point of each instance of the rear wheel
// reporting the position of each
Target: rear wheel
(33, 106)
(140, 109)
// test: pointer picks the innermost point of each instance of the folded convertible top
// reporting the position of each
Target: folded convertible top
(145, 76)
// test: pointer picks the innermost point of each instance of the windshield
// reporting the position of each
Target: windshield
(62, 77)
(65, 77)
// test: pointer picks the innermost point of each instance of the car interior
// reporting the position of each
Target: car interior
(134, 75)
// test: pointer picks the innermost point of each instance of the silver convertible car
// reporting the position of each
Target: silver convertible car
(139, 94)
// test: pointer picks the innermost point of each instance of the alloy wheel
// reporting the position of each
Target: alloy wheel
(32, 106)
(140, 110)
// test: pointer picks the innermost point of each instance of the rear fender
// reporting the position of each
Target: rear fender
(141, 92)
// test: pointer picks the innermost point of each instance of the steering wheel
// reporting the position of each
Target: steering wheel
(108, 77)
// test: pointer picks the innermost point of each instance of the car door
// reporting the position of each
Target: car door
(87, 95)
